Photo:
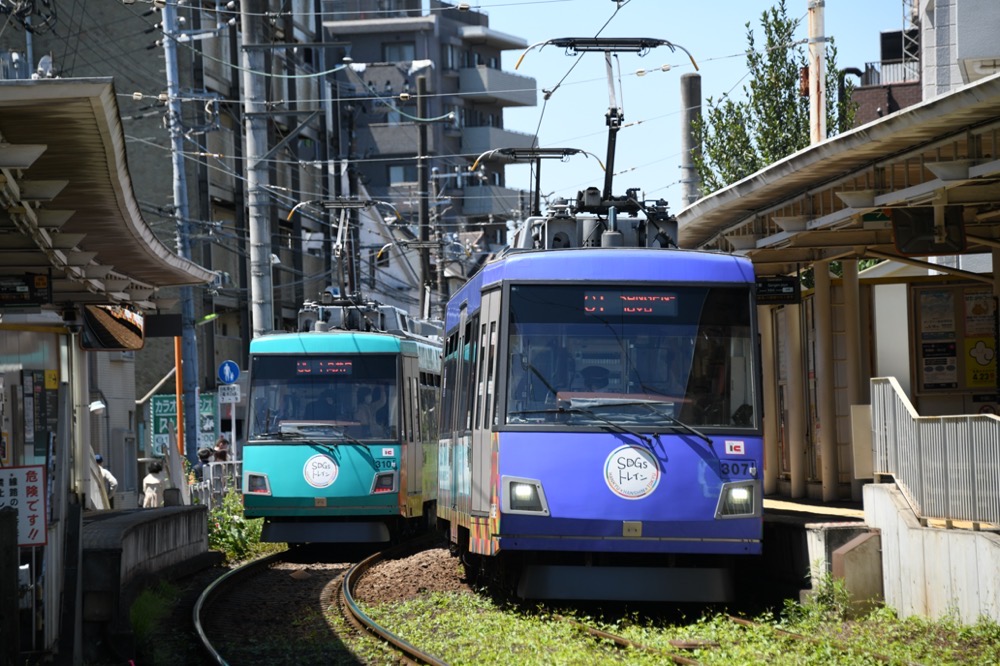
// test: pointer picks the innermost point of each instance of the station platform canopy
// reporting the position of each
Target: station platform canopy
(921, 182)
(68, 207)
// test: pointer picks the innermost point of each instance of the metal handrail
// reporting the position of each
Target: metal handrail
(217, 479)
(945, 466)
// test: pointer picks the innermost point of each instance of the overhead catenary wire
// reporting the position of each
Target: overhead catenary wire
(371, 160)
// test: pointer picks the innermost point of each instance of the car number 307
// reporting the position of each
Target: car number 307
(737, 468)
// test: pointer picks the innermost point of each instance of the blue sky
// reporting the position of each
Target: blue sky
(648, 153)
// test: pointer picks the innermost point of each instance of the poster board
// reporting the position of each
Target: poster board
(24, 490)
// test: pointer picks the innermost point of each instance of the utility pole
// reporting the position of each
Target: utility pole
(346, 261)
(439, 276)
(817, 73)
(261, 293)
(690, 148)
(423, 180)
(188, 361)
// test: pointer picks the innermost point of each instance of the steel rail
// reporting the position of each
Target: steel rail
(840, 645)
(220, 585)
(361, 619)
(621, 641)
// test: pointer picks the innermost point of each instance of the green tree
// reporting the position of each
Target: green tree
(740, 137)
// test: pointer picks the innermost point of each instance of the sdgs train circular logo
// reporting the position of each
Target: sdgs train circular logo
(320, 471)
(631, 472)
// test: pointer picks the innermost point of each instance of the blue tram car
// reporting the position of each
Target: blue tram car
(342, 436)
(601, 431)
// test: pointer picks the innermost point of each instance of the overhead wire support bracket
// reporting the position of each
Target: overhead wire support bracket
(615, 116)
(535, 156)
(617, 44)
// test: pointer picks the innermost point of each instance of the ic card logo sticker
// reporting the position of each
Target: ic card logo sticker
(735, 447)
(631, 472)
(320, 471)
(387, 452)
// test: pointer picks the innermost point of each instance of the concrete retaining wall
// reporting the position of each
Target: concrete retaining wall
(929, 571)
(123, 551)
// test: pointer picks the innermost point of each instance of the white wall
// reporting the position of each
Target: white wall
(930, 571)
(892, 337)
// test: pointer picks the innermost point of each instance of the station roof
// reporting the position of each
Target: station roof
(840, 198)
(67, 203)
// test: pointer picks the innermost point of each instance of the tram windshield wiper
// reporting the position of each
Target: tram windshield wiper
(588, 413)
(609, 423)
(313, 431)
(652, 406)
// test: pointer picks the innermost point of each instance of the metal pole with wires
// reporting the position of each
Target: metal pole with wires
(188, 361)
(423, 183)
(254, 112)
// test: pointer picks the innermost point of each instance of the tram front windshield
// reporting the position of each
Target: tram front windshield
(323, 396)
(594, 356)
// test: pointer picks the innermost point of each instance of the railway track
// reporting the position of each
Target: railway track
(303, 610)
(673, 655)
(840, 645)
(362, 621)
(290, 597)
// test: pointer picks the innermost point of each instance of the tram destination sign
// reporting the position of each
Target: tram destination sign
(778, 290)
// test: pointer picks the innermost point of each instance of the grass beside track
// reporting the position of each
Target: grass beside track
(468, 629)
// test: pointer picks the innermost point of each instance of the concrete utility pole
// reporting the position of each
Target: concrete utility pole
(823, 303)
(189, 343)
(817, 73)
(691, 112)
(261, 292)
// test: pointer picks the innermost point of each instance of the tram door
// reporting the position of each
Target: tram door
(485, 399)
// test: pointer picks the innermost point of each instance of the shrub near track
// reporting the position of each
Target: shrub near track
(233, 534)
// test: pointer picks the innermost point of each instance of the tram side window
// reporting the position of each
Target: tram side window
(467, 391)
(481, 380)
(429, 390)
(449, 385)
(491, 415)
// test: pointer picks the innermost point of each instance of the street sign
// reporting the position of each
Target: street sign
(229, 393)
(229, 372)
(25, 492)
(778, 289)
(163, 420)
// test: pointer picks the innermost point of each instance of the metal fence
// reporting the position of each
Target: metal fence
(217, 479)
(946, 466)
(886, 72)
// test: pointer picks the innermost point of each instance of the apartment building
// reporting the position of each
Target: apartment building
(322, 71)
(392, 47)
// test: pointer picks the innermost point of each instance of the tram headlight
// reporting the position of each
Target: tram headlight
(524, 496)
(257, 484)
(737, 500)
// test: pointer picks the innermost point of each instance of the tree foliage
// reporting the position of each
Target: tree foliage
(740, 137)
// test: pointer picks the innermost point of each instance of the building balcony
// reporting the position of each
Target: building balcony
(484, 200)
(483, 84)
(476, 140)
(486, 36)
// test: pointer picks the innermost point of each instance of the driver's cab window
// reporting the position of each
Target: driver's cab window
(539, 372)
